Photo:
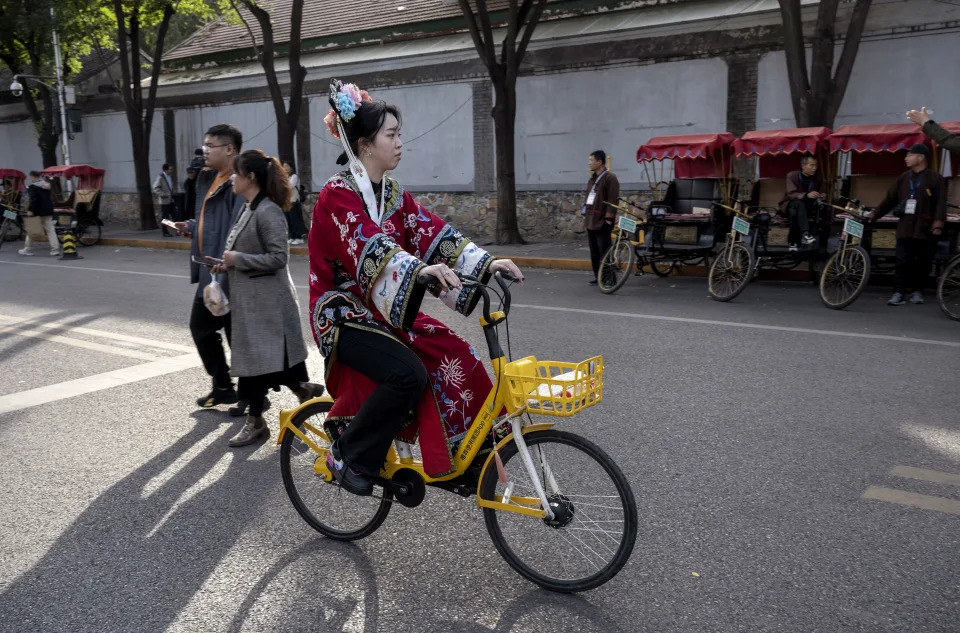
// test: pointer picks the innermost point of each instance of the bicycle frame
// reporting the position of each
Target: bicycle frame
(400, 457)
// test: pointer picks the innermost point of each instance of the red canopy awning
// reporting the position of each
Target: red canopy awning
(804, 140)
(69, 171)
(16, 174)
(893, 137)
(683, 146)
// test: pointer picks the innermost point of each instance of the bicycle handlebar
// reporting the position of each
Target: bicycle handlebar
(503, 279)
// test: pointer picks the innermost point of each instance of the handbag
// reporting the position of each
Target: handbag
(216, 299)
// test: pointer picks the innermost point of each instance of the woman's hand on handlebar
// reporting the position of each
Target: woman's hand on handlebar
(445, 277)
(506, 266)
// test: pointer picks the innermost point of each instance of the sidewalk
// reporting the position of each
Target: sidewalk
(556, 255)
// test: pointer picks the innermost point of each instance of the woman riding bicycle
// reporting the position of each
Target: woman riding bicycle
(369, 243)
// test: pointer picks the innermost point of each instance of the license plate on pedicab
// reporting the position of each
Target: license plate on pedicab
(852, 227)
(627, 224)
(10, 215)
(741, 226)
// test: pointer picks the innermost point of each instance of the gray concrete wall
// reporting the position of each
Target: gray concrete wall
(105, 143)
(437, 137)
(18, 146)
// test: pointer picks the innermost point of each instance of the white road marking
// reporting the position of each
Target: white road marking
(913, 499)
(19, 330)
(115, 336)
(733, 324)
(185, 276)
(933, 476)
(98, 382)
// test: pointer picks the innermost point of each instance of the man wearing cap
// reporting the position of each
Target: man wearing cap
(918, 198)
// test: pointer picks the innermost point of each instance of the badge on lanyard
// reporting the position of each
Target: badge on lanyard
(911, 207)
(591, 198)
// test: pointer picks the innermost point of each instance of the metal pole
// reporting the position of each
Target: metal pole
(61, 90)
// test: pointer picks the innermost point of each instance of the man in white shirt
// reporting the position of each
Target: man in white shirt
(163, 195)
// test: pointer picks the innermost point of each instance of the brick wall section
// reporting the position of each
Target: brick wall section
(483, 139)
(742, 69)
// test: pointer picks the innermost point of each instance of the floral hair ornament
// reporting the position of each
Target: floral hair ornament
(345, 100)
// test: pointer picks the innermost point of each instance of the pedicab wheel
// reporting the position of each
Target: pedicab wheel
(730, 272)
(844, 277)
(594, 527)
(333, 512)
(11, 231)
(948, 290)
(662, 269)
(615, 267)
(88, 234)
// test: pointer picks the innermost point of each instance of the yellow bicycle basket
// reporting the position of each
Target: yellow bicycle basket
(553, 387)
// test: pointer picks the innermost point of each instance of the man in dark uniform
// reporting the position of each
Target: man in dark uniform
(919, 199)
(598, 218)
(804, 188)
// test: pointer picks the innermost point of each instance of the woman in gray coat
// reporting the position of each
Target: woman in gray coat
(267, 348)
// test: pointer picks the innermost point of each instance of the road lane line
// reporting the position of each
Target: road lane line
(733, 324)
(116, 336)
(98, 382)
(912, 499)
(933, 476)
(185, 276)
(17, 330)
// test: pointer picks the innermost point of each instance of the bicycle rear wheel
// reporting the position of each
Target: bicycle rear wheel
(662, 268)
(595, 525)
(844, 277)
(88, 234)
(732, 269)
(333, 512)
(615, 266)
(948, 290)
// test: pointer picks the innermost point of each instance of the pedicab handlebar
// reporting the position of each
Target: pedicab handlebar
(503, 279)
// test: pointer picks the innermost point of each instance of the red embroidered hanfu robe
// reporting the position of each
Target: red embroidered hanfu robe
(363, 275)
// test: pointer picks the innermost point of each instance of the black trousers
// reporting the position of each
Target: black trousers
(205, 329)
(166, 213)
(600, 242)
(254, 389)
(798, 212)
(402, 377)
(295, 221)
(914, 258)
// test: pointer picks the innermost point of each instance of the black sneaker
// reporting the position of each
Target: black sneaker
(219, 395)
(349, 479)
(592, 282)
(809, 240)
(243, 405)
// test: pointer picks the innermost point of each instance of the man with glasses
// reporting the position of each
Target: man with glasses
(217, 210)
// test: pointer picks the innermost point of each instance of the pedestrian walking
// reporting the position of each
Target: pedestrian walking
(918, 198)
(267, 343)
(931, 128)
(163, 195)
(598, 217)
(40, 204)
(190, 194)
(294, 214)
(219, 208)
(803, 189)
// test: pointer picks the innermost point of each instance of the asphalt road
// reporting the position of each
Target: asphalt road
(795, 468)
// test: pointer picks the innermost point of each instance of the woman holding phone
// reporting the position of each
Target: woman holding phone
(267, 343)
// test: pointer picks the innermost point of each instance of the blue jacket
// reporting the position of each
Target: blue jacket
(219, 216)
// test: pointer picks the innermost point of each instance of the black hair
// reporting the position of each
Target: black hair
(600, 155)
(198, 151)
(806, 158)
(269, 174)
(366, 123)
(165, 167)
(35, 174)
(229, 133)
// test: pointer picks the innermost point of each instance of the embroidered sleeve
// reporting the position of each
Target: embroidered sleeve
(462, 255)
(385, 275)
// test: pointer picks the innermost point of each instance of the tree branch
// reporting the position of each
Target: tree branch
(848, 56)
(297, 72)
(491, 44)
(168, 12)
(821, 65)
(485, 55)
(528, 30)
(796, 56)
(125, 78)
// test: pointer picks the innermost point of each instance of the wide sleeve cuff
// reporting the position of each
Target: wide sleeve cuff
(395, 292)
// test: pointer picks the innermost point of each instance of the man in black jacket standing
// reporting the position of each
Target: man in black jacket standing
(40, 204)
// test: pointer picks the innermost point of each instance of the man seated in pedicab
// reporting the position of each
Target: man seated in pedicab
(919, 199)
(804, 188)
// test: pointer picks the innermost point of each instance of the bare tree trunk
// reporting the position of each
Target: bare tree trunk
(504, 122)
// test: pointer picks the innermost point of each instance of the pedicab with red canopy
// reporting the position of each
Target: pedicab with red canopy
(779, 152)
(11, 192)
(680, 225)
(76, 200)
(870, 159)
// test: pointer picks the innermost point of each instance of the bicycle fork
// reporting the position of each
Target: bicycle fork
(515, 425)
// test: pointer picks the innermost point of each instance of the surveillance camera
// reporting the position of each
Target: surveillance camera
(16, 88)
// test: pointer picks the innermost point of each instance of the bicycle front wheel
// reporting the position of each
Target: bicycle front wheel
(731, 271)
(88, 234)
(844, 277)
(948, 290)
(333, 512)
(615, 266)
(595, 515)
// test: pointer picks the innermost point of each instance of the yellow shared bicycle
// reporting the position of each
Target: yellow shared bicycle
(557, 507)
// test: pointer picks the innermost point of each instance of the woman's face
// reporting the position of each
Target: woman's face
(245, 185)
(386, 149)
